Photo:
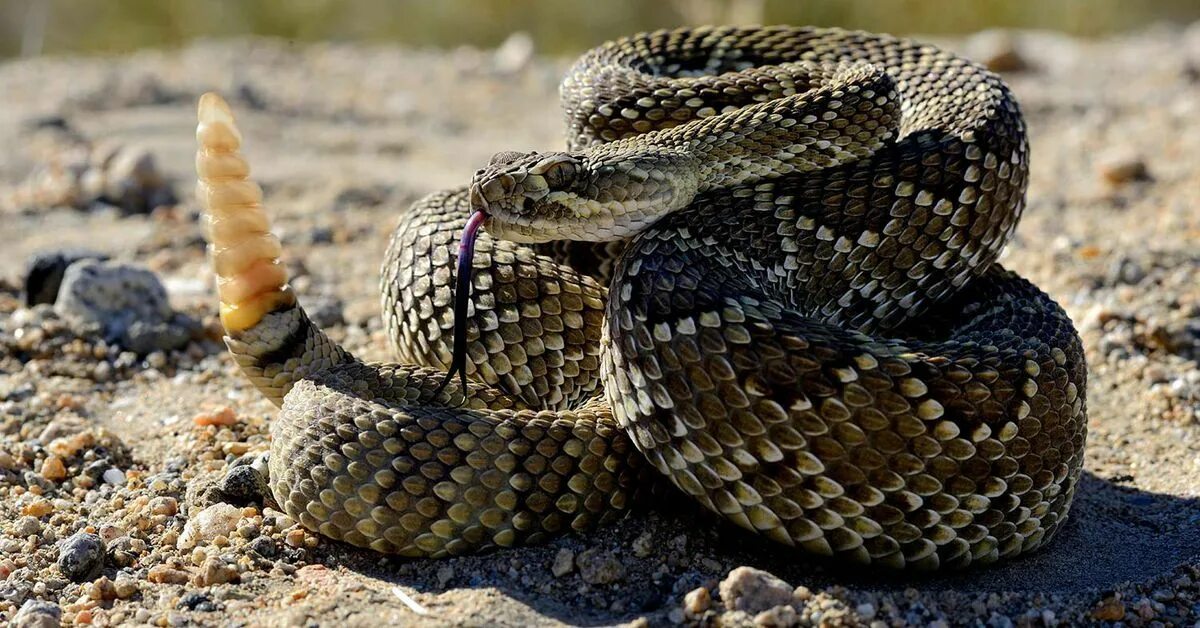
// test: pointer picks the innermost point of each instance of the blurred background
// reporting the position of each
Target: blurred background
(31, 27)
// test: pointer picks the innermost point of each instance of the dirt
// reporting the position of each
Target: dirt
(343, 137)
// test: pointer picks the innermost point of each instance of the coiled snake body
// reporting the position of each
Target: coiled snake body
(794, 314)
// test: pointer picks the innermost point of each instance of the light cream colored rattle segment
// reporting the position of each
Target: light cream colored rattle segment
(251, 281)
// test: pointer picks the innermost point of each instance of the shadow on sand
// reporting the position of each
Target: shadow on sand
(1116, 534)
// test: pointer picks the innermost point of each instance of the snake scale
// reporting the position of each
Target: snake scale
(763, 267)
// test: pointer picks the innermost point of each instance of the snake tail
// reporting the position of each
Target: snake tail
(396, 458)
(267, 331)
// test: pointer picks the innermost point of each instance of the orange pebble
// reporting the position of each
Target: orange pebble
(222, 417)
(53, 469)
(38, 508)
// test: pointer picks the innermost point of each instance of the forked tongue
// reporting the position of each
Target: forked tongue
(462, 299)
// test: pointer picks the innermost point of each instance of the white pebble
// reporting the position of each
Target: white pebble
(114, 476)
(216, 520)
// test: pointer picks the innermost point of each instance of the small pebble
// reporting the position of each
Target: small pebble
(325, 311)
(215, 571)
(101, 589)
(248, 531)
(222, 417)
(1122, 167)
(166, 506)
(753, 590)
(53, 469)
(113, 476)
(599, 567)
(27, 526)
(95, 470)
(70, 445)
(125, 586)
(38, 614)
(564, 563)
(1109, 609)
(997, 50)
(514, 53)
(264, 546)
(278, 519)
(162, 574)
(244, 484)
(196, 601)
(219, 519)
(777, 617)
(81, 557)
(38, 508)
(124, 550)
(643, 546)
(110, 532)
(294, 537)
(697, 601)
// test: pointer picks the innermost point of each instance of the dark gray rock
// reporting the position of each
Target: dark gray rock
(44, 273)
(81, 557)
(38, 614)
(196, 601)
(244, 484)
(127, 303)
(264, 546)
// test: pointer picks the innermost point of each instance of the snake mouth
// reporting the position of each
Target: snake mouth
(462, 301)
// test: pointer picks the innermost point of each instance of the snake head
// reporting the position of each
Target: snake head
(526, 195)
(609, 192)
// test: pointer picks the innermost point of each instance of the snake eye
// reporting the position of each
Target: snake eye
(558, 170)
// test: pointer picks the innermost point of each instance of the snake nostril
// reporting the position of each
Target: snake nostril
(527, 205)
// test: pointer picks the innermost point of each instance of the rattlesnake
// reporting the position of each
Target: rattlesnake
(803, 326)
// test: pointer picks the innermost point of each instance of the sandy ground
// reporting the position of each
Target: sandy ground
(343, 137)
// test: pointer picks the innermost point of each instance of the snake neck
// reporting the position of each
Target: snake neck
(616, 190)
